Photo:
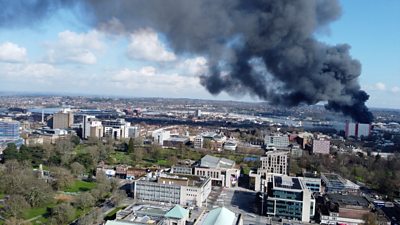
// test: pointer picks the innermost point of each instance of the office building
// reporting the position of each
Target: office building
(117, 129)
(336, 184)
(160, 136)
(289, 198)
(276, 141)
(221, 171)
(172, 188)
(63, 120)
(312, 183)
(9, 130)
(321, 146)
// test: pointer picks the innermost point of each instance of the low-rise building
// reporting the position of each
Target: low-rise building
(221, 171)
(343, 209)
(336, 184)
(170, 188)
(220, 216)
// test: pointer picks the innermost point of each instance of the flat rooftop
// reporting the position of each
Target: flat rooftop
(178, 179)
(215, 162)
(348, 200)
(287, 182)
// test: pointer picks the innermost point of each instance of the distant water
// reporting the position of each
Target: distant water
(45, 110)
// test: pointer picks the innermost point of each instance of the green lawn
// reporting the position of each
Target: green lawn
(2, 195)
(39, 212)
(79, 186)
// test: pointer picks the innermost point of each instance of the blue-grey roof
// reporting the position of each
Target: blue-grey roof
(177, 212)
(215, 162)
(220, 216)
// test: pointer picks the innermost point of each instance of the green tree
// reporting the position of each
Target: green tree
(131, 146)
(62, 177)
(11, 152)
(77, 169)
(85, 200)
(16, 205)
(62, 214)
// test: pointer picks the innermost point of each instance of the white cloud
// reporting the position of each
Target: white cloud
(193, 66)
(380, 86)
(10, 52)
(72, 47)
(146, 45)
(149, 80)
(395, 89)
(28, 71)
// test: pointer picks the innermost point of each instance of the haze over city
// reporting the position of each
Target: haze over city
(199, 112)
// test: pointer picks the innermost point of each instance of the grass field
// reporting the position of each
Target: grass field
(79, 186)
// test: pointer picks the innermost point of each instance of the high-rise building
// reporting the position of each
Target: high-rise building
(86, 125)
(9, 130)
(289, 198)
(63, 120)
(198, 142)
(277, 141)
(357, 129)
(275, 162)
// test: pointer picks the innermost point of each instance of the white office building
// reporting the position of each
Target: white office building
(276, 141)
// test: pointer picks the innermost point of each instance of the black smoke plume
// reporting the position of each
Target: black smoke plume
(266, 48)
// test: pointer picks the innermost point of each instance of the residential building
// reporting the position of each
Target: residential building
(221, 171)
(276, 141)
(289, 198)
(275, 162)
(336, 184)
(321, 147)
(170, 188)
(63, 120)
(357, 129)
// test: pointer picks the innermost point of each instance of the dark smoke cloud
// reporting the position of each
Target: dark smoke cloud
(265, 48)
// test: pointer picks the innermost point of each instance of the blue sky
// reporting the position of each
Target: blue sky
(64, 55)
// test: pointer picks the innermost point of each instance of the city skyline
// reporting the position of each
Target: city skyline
(64, 55)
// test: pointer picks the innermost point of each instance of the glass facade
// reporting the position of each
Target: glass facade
(9, 130)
